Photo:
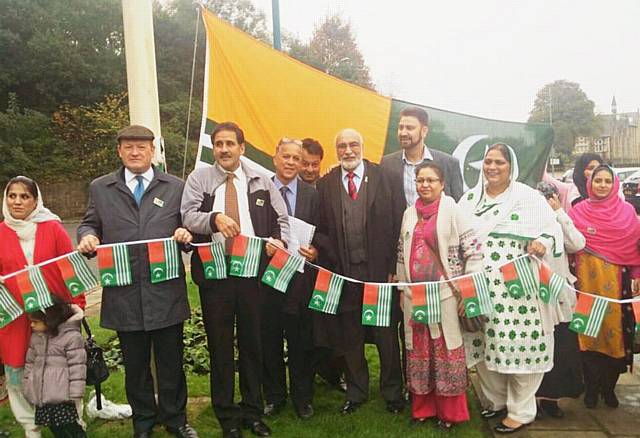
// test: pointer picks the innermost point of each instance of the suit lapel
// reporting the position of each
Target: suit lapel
(371, 179)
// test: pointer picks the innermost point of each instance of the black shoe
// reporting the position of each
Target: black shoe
(350, 407)
(185, 431)
(232, 433)
(551, 408)
(258, 428)
(591, 399)
(305, 412)
(445, 425)
(610, 399)
(501, 428)
(143, 434)
(395, 407)
(490, 413)
(341, 385)
(271, 409)
(418, 421)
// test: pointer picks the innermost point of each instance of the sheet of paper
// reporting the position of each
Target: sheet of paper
(301, 235)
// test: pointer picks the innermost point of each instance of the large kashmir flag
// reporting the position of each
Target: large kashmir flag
(271, 95)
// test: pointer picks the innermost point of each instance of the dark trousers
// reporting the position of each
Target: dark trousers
(356, 369)
(601, 372)
(298, 331)
(71, 430)
(167, 344)
(234, 302)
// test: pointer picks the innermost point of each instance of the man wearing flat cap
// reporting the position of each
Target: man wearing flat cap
(137, 202)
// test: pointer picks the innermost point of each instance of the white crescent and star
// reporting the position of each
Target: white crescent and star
(462, 150)
(368, 315)
(419, 315)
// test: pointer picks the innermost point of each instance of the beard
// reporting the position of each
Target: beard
(412, 141)
(350, 163)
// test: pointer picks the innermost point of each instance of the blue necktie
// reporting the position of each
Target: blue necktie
(139, 190)
(283, 192)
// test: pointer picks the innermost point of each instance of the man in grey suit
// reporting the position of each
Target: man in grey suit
(399, 167)
(137, 202)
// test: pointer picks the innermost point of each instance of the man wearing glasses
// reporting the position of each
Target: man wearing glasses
(354, 220)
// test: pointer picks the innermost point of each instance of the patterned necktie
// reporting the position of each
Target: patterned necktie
(139, 190)
(283, 192)
(353, 191)
(231, 206)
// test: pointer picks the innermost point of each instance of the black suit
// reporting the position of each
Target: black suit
(347, 333)
(288, 313)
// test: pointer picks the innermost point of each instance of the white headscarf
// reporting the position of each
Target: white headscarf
(519, 211)
(26, 228)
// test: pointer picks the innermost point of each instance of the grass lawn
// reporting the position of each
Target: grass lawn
(371, 421)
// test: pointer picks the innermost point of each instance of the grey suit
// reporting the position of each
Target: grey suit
(145, 315)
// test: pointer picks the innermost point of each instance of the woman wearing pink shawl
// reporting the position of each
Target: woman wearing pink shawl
(609, 266)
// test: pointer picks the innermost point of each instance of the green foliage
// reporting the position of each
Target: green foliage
(333, 50)
(572, 112)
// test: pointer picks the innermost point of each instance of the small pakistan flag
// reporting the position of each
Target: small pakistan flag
(114, 266)
(519, 278)
(589, 314)
(326, 292)
(551, 284)
(281, 270)
(34, 290)
(245, 256)
(474, 291)
(164, 260)
(10, 310)
(425, 300)
(213, 261)
(76, 274)
(376, 304)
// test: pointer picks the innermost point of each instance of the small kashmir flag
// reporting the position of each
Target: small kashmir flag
(34, 290)
(589, 314)
(636, 314)
(326, 292)
(474, 291)
(425, 300)
(114, 266)
(213, 260)
(376, 304)
(519, 277)
(245, 256)
(164, 260)
(76, 274)
(281, 269)
(10, 310)
(551, 284)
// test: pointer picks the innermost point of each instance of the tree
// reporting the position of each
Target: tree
(572, 113)
(333, 50)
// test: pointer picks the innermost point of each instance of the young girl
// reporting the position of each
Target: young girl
(55, 368)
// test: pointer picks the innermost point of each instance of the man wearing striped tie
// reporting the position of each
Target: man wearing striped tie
(138, 202)
(220, 202)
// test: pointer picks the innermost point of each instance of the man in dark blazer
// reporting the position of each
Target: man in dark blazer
(220, 202)
(289, 312)
(136, 202)
(358, 242)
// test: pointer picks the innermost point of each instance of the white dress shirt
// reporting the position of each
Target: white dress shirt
(242, 189)
(131, 181)
(358, 174)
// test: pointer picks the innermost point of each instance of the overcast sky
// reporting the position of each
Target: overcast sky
(488, 57)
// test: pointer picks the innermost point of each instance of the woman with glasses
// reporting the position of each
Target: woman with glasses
(436, 243)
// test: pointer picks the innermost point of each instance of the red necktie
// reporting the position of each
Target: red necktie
(353, 192)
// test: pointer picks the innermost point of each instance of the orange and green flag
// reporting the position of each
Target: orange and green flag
(34, 290)
(245, 256)
(636, 314)
(164, 260)
(425, 300)
(213, 261)
(475, 294)
(114, 266)
(551, 284)
(10, 310)
(376, 304)
(589, 314)
(326, 292)
(271, 95)
(281, 269)
(519, 278)
(76, 274)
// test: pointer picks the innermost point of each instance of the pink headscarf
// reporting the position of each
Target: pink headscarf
(609, 225)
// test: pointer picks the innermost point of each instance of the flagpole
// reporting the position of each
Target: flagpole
(142, 81)
(275, 15)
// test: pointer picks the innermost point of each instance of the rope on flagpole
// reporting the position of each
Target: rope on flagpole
(193, 72)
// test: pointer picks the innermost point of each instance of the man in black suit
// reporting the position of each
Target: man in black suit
(358, 242)
(288, 313)
(219, 202)
(136, 202)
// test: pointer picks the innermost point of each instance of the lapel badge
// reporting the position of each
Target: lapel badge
(260, 202)
(159, 202)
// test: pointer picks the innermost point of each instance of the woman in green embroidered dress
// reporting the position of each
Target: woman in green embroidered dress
(515, 348)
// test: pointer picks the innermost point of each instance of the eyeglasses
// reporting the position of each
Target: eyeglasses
(429, 181)
(354, 146)
(286, 140)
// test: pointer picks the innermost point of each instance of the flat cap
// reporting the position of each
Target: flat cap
(135, 132)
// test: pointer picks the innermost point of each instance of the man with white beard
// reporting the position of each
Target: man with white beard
(357, 235)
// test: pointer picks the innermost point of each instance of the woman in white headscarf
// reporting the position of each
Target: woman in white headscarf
(30, 234)
(515, 348)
